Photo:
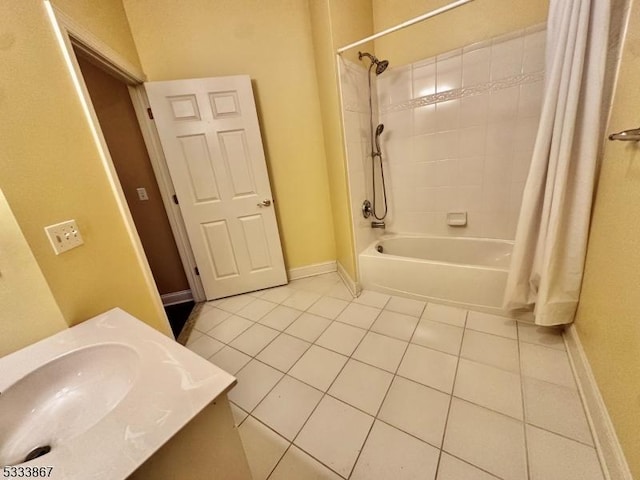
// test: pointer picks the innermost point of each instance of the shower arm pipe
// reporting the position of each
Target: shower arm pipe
(406, 24)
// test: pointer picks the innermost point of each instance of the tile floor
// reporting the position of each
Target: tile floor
(382, 387)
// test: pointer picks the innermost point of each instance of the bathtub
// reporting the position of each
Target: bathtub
(465, 272)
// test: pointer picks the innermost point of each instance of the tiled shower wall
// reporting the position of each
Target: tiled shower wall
(459, 133)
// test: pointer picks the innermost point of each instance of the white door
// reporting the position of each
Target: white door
(209, 132)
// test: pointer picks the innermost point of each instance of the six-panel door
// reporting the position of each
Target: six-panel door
(210, 135)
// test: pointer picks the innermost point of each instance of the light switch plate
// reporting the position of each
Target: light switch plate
(142, 193)
(64, 236)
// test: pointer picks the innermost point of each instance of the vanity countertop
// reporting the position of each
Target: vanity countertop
(169, 387)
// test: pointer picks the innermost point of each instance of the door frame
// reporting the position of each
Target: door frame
(71, 34)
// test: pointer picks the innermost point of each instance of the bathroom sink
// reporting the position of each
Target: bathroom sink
(63, 398)
(97, 400)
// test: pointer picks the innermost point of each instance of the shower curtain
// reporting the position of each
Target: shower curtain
(551, 238)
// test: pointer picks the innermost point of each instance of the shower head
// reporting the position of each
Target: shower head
(381, 65)
(379, 129)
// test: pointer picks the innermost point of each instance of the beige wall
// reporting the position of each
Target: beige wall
(470, 23)
(270, 41)
(334, 24)
(51, 169)
(119, 124)
(29, 311)
(106, 19)
(608, 318)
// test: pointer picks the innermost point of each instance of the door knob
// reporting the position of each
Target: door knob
(265, 203)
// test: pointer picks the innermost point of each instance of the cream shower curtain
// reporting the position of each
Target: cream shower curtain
(551, 238)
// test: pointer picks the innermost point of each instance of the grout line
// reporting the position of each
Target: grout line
(472, 465)
(325, 394)
(453, 387)
(561, 435)
(375, 417)
(524, 410)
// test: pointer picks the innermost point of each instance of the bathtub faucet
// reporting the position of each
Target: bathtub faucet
(376, 224)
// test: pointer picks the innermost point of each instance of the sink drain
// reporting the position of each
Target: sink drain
(380, 249)
(37, 452)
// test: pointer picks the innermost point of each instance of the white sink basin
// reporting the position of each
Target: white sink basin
(63, 398)
(104, 395)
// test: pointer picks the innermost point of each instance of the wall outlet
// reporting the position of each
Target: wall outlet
(64, 236)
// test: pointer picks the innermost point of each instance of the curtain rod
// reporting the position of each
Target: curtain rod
(406, 24)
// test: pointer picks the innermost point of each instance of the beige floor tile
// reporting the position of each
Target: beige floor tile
(546, 364)
(297, 465)
(487, 439)
(320, 284)
(439, 336)
(318, 367)
(254, 339)
(308, 327)
(230, 328)
(328, 307)
(301, 300)
(193, 336)
(390, 454)
(210, 318)
(451, 468)
(287, 406)
(205, 346)
(361, 386)
(235, 303)
(490, 349)
(429, 367)
(407, 306)
(494, 324)
(416, 409)
(341, 338)
(556, 408)
(373, 299)
(380, 351)
(254, 382)
(546, 336)
(489, 387)
(361, 316)
(552, 457)
(277, 294)
(396, 325)
(280, 317)
(256, 309)
(340, 291)
(283, 352)
(230, 360)
(334, 434)
(262, 446)
(445, 314)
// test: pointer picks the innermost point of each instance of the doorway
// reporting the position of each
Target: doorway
(119, 124)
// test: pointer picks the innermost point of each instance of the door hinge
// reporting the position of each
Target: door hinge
(150, 113)
(197, 271)
(175, 199)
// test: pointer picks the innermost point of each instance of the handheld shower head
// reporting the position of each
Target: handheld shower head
(381, 65)
(379, 129)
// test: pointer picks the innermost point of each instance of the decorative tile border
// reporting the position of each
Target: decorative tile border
(487, 87)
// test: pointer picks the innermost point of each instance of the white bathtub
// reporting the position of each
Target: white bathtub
(465, 272)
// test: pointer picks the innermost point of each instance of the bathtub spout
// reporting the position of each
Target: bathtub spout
(376, 224)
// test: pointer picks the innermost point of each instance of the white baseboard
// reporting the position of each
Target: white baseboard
(176, 297)
(610, 452)
(311, 270)
(353, 287)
